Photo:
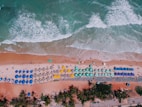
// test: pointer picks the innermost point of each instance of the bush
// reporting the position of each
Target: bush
(139, 90)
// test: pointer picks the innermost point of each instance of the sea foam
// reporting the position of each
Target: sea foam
(26, 28)
(119, 13)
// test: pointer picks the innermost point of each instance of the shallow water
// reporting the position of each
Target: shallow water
(52, 27)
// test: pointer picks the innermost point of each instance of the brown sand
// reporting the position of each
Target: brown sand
(12, 58)
(11, 90)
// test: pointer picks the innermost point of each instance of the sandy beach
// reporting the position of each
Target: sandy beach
(10, 61)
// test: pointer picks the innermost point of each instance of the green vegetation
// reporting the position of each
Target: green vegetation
(67, 97)
(21, 101)
(46, 98)
(139, 105)
(120, 95)
(139, 90)
(3, 102)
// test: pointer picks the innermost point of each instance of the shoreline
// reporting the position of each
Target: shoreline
(14, 58)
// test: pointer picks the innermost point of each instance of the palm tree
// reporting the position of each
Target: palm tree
(45, 98)
(120, 95)
(3, 102)
(139, 90)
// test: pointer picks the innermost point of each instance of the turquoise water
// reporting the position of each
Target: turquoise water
(102, 25)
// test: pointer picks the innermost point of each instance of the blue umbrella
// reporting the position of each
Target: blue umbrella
(20, 81)
(27, 71)
(27, 81)
(29, 94)
(31, 76)
(16, 81)
(23, 81)
(23, 71)
(16, 71)
(16, 76)
(31, 81)
(23, 76)
(31, 71)
(27, 76)
(19, 71)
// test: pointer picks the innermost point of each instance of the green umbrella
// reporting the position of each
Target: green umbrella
(50, 60)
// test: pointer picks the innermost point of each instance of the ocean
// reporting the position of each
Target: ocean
(66, 27)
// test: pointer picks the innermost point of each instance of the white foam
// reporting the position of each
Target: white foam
(110, 45)
(120, 13)
(8, 42)
(95, 21)
(27, 29)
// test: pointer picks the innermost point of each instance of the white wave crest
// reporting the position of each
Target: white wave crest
(111, 45)
(27, 28)
(95, 21)
(120, 13)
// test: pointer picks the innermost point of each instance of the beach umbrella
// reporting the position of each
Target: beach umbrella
(23, 81)
(27, 81)
(20, 81)
(91, 74)
(27, 71)
(19, 71)
(31, 76)
(16, 81)
(28, 94)
(50, 60)
(24, 76)
(16, 71)
(23, 71)
(30, 81)
(16, 76)
(31, 71)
